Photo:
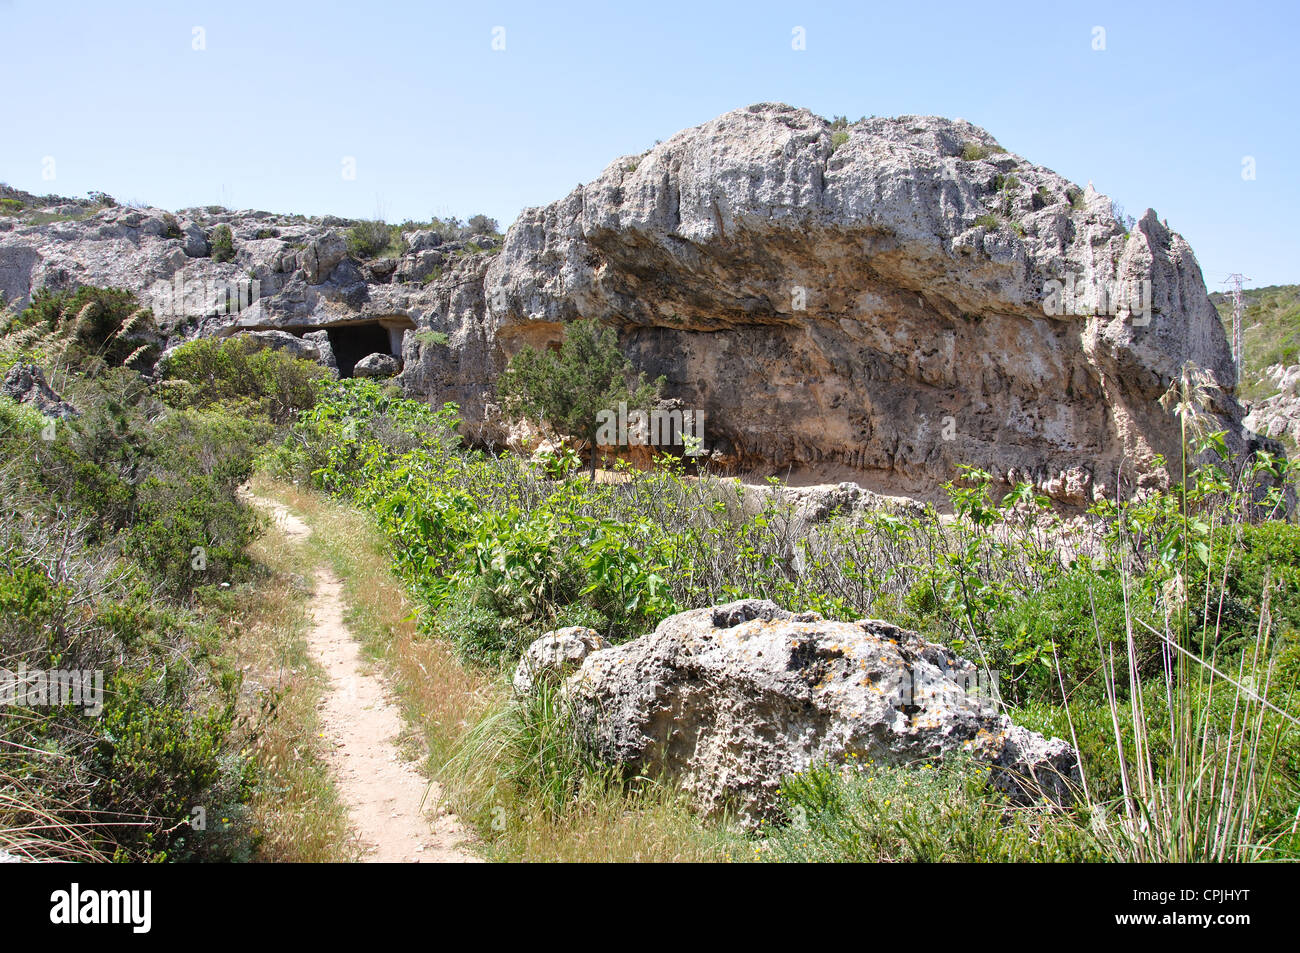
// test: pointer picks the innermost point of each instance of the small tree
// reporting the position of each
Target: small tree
(568, 388)
(482, 225)
(223, 244)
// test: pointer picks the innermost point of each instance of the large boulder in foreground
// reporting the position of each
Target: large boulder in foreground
(729, 700)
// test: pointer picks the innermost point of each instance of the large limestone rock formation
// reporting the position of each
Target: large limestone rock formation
(729, 700)
(289, 275)
(875, 304)
(876, 311)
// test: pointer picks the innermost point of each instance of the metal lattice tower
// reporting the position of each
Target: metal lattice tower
(1235, 279)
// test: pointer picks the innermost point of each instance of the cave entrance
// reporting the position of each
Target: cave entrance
(352, 342)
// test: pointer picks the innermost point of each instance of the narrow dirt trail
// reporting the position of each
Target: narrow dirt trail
(392, 807)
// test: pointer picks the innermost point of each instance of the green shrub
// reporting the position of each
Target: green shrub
(975, 151)
(375, 239)
(240, 374)
(1062, 631)
(222, 242)
(98, 572)
(480, 633)
(90, 328)
(1263, 564)
(433, 338)
(483, 225)
(122, 783)
(567, 389)
(188, 528)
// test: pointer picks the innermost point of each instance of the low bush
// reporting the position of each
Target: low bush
(375, 239)
(119, 525)
(88, 329)
(242, 376)
(222, 244)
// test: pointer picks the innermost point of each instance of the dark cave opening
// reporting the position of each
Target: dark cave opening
(352, 342)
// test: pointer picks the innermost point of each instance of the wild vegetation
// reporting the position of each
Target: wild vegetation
(378, 239)
(122, 546)
(1159, 635)
(1271, 332)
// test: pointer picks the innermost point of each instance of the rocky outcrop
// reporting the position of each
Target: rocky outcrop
(729, 700)
(878, 309)
(555, 655)
(26, 384)
(310, 347)
(875, 303)
(1278, 415)
(289, 274)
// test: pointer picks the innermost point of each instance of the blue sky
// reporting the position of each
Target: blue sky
(441, 123)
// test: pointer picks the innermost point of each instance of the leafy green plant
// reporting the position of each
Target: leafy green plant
(222, 243)
(375, 239)
(567, 389)
(239, 374)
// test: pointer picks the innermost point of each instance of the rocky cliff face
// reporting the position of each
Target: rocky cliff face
(1278, 415)
(284, 272)
(877, 303)
(877, 308)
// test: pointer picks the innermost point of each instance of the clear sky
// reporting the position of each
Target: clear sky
(265, 114)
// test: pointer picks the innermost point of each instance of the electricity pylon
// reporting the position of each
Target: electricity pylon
(1235, 279)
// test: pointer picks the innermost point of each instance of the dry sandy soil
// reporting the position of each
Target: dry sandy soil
(391, 805)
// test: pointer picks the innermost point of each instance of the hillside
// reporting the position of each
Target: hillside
(349, 473)
(878, 302)
(1271, 339)
(1270, 332)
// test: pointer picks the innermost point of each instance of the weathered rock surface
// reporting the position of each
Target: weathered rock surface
(555, 655)
(290, 274)
(1278, 415)
(876, 311)
(873, 310)
(314, 346)
(729, 700)
(26, 384)
(377, 365)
